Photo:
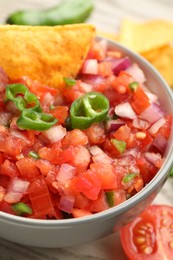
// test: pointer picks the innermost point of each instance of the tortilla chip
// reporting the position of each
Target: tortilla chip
(164, 63)
(44, 53)
(146, 36)
(107, 35)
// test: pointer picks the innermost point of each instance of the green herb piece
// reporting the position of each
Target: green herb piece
(128, 177)
(110, 198)
(70, 82)
(34, 155)
(134, 85)
(21, 209)
(119, 145)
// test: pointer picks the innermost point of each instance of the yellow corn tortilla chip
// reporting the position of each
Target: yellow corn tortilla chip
(107, 35)
(163, 62)
(145, 36)
(44, 53)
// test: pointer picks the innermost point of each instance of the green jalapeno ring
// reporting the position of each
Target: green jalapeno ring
(89, 108)
(33, 120)
(22, 98)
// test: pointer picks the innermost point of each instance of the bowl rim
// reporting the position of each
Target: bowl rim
(126, 205)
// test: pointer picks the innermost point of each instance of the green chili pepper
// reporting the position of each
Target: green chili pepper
(22, 98)
(33, 120)
(110, 198)
(133, 85)
(70, 82)
(88, 109)
(128, 177)
(34, 155)
(21, 208)
(120, 145)
(67, 12)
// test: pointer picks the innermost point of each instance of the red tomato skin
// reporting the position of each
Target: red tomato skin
(140, 101)
(95, 134)
(40, 198)
(106, 173)
(60, 113)
(27, 168)
(150, 231)
(9, 168)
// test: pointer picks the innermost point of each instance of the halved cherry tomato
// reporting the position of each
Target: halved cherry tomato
(150, 235)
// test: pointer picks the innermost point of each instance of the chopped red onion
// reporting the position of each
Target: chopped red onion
(153, 158)
(65, 173)
(156, 126)
(102, 158)
(160, 142)
(66, 203)
(152, 97)
(5, 118)
(125, 110)
(152, 113)
(56, 133)
(16, 190)
(86, 87)
(120, 64)
(113, 125)
(90, 66)
(136, 73)
(140, 124)
(94, 150)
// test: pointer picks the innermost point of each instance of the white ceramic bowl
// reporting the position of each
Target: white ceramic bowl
(69, 232)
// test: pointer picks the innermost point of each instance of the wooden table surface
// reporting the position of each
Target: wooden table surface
(106, 17)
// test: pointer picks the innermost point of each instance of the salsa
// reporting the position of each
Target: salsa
(82, 149)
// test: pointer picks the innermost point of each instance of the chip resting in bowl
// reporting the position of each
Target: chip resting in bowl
(46, 54)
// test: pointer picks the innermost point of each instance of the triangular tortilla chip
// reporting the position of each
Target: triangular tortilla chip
(44, 53)
(145, 36)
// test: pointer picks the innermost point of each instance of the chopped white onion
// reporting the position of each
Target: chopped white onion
(152, 97)
(90, 66)
(125, 110)
(55, 133)
(140, 124)
(48, 99)
(94, 150)
(86, 87)
(66, 203)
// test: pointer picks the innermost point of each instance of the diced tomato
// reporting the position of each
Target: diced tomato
(145, 142)
(9, 168)
(50, 154)
(166, 128)
(60, 113)
(147, 170)
(105, 69)
(77, 213)
(100, 204)
(140, 101)
(6, 207)
(95, 134)
(12, 146)
(40, 198)
(122, 133)
(4, 181)
(121, 83)
(44, 166)
(88, 183)
(97, 52)
(106, 173)
(27, 168)
(75, 137)
(81, 158)
(81, 201)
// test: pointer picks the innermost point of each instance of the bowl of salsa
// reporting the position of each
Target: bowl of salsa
(78, 164)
